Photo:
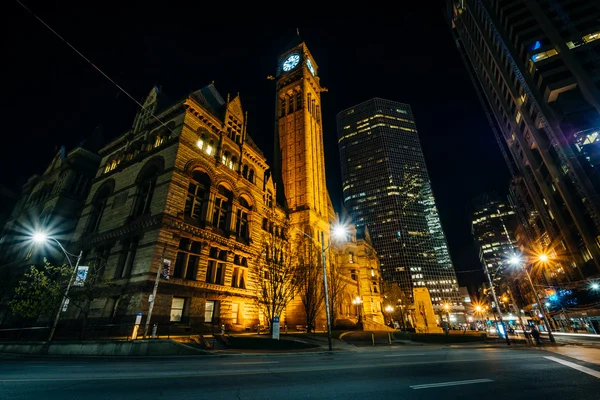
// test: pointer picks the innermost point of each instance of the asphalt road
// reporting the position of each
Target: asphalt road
(395, 372)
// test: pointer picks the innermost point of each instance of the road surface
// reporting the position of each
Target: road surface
(394, 372)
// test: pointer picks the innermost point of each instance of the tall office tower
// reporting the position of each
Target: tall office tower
(386, 188)
(493, 227)
(536, 65)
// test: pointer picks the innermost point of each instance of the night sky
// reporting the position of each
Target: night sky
(53, 97)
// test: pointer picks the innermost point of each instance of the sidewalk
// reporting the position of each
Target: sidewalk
(321, 342)
(586, 354)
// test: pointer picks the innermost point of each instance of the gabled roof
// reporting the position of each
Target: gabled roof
(210, 98)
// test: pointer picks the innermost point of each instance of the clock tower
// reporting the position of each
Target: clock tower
(299, 160)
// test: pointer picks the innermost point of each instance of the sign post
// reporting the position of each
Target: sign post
(276, 327)
(136, 327)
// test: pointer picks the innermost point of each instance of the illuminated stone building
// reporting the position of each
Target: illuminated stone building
(535, 64)
(187, 187)
(386, 188)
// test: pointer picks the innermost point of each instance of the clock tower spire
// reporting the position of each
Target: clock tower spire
(299, 153)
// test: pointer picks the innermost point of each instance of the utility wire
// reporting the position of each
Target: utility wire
(92, 64)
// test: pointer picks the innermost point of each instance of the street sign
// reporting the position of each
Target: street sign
(138, 321)
(82, 272)
(65, 304)
(166, 269)
(276, 327)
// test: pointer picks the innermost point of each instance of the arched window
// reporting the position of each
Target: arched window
(241, 225)
(198, 191)
(99, 205)
(251, 176)
(233, 163)
(145, 190)
(222, 208)
(245, 171)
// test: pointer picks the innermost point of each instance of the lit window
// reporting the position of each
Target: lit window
(591, 37)
(543, 55)
(209, 310)
(177, 309)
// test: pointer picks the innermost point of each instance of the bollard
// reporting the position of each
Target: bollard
(390, 338)
(154, 328)
(373, 338)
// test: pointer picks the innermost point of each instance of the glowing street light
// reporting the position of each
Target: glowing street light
(595, 286)
(516, 260)
(41, 238)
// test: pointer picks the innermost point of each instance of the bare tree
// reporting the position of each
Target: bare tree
(310, 278)
(395, 297)
(276, 273)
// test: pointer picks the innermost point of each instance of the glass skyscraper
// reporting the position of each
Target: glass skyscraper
(535, 66)
(386, 189)
(493, 226)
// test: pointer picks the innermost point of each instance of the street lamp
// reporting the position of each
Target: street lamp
(40, 237)
(515, 260)
(339, 231)
(491, 282)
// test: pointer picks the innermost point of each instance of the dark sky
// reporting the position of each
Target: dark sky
(53, 97)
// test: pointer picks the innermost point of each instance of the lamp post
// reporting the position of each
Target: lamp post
(338, 231)
(487, 272)
(516, 260)
(43, 238)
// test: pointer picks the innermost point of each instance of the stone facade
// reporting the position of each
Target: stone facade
(187, 187)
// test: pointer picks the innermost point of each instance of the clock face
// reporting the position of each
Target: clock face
(291, 62)
(310, 66)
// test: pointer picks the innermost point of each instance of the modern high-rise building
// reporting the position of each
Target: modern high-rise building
(493, 226)
(536, 65)
(386, 188)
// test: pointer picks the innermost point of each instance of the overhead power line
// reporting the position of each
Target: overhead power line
(92, 64)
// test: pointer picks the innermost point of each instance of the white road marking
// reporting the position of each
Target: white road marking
(250, 363)
(578, 367)
(404, 355)
(455, 383)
